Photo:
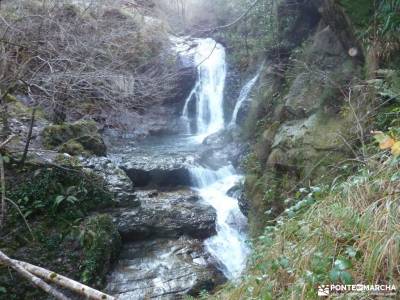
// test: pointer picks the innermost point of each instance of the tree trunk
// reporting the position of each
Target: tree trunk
(28, 138)
(30, 272)
(4, 259)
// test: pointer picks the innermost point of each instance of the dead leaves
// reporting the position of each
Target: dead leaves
(387, 142)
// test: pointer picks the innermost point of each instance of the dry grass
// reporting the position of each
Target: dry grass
(357, 220)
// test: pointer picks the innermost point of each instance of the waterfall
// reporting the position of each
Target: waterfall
(244, 93)
(208, 92)
(228, 246)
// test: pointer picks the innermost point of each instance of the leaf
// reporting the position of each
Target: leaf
(379, 136)
(350, 251)
(334, 275)
(59, 199)
(387, 143)
(342, 264)
(72, 199)
(284, 262)
(346, 277)
(396, 149)
(70, 190)
(6, 159)
(337, 275)
(28, 213)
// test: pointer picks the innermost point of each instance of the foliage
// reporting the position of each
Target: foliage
(348, 235)
(101, 243)
(61, 193)
(387, 88)
(388, 141)
(84, 251)
(360, 11)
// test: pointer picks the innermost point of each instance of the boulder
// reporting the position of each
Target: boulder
(237, 192)
(117, 182)
(163, 269)
(222, 148)
(158, 171)
(81, 136)
(166, 214)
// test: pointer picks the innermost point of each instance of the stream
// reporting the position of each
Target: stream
(185, 232)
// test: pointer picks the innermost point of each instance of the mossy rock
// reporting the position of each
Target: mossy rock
(74, 138)
(10, 98)
(72, 147)
(93, 144)
(101, 243)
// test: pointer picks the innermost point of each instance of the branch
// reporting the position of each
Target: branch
(4, 259)
(65, 282)
(7, 141)
(28, 138)
(235, 21)
(3, 211)
(32, 273)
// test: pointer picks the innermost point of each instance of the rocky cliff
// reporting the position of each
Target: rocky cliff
(300, 119)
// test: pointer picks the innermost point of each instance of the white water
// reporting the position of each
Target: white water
(244, 93)
(228, 246)
(208, 92)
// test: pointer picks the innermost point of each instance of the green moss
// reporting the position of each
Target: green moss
(72, 147)
(101, 245)
(67, 136)
(10, 98)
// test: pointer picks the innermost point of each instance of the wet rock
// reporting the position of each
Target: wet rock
(116, 179)
(221, 149)
(164, 171)
(237, 192)
(163, 269)
(166, 214)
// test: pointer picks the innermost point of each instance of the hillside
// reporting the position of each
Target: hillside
(200, 149)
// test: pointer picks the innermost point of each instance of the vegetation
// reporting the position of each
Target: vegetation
(50, 211)
(342, 227)
(324, 205)
(342, 233)
(70, 59)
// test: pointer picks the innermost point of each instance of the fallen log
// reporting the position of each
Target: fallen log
(65, 282)
(37, 275)
(4, 259)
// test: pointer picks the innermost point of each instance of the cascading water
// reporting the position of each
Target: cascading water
(161, 268)
(208, 92)
(228, 246)
(244, 93)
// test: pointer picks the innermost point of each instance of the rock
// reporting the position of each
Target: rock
(158, 171)
(237, 192)
(222, 149)
(166, 214)
(72, 147)
(115, 178)
(163, 269)
(68, 136)
(101, 247)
